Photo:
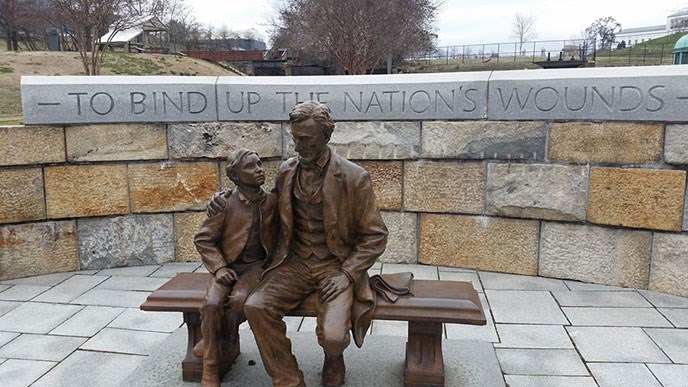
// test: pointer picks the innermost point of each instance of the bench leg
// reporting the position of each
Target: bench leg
(424, 361)
(192, 366)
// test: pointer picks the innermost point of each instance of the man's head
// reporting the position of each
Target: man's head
(311, 128)
(245, 169)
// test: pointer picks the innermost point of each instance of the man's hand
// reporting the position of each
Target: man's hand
(226, 276)
(333, 286)
(217, 203)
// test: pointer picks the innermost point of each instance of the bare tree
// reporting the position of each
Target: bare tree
(523, 28)
(18, 20)
(358, 34)
(94, 23)
(604, 31)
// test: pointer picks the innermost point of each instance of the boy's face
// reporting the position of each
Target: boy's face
(250, 174)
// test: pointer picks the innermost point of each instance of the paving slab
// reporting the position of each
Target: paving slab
(88, 321)
(678, 317)
(139, 320)
(201, 269)
(71, 288)
(108, 297)
(4, 287)
(293, 323)
(171, 269)
(522, 361)
(533, 336)
(420, 272)
(616, 317)
(549, 381)
(22, 292)
(661, 300)
(586, 287)
(8, 306)
(377, 265)
(474, 332)
(613, 344)
(450, 269)
(630, 299)
(131, 271)
(125, 341)
(21, 373)
(87, 272)
(6, 337)
(132, 283)
(471, 277)
(2, 360)
(378, 364)
(40, 280)
(41, 347)
(670, 375)
(85, 368)
(674, 342)
(372, 272)
(623, 374)
(524, 307)
(503, 281)
(34, 317)
(308, 324)
(386, 328)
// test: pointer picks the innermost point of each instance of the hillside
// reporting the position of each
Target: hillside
(13, 65)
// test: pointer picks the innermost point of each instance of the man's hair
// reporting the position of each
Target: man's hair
(319, 112)
(234, 162)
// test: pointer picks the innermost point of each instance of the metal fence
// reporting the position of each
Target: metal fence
(584, 50)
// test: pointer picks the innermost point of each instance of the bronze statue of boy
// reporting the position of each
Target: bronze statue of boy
(234, 244)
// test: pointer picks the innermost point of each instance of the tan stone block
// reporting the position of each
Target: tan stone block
(609, 142)
(21, 195)
(402, 242)
(669, 268)
(86, 190)
(172, 186)
(595, 254)
(270, 167)
(186, 225)
(38, 248)
(479, 242)
(444, 186)
(639, 198)
(20, 145)
(116, 142)
(386, 178)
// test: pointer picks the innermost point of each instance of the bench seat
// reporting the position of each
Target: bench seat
(432, 303)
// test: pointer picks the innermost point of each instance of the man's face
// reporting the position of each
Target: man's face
(309, 140)
(251, 173)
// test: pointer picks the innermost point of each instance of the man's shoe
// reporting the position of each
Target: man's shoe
(333, 371)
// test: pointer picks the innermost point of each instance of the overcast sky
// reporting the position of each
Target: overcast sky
(474, 21)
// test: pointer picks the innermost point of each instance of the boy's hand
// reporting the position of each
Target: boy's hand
(226, 276)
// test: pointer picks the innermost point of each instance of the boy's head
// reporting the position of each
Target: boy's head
(245, 169)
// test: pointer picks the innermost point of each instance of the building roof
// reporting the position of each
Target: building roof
(682, 44)
(683, 12)
(659, 28)
(151, 25)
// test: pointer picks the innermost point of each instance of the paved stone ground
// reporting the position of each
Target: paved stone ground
(85, 329)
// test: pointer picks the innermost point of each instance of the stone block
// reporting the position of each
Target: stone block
(372, 140)
(86, 190)
(172, 186)
(360, 98)
(83, 99)
(654, 94)
(186, 225)
(402, 242)
(669, 268)
(31, 145)
(479, 242)
(444, 186)
(219, 139)
(553, 192)
(607, 142)
(484, 140)
(638, 198)
(37, 248)
(21, 195)
(685, 212)
(116, 142)
(270, 168)
(676, 144)
(387, 182)
(125, 241)
(595, 254)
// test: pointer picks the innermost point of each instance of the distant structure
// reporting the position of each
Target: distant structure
(151, 35)
(680, 51)
(676, 22)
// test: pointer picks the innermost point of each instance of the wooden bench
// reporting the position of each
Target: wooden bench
(432, 303)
